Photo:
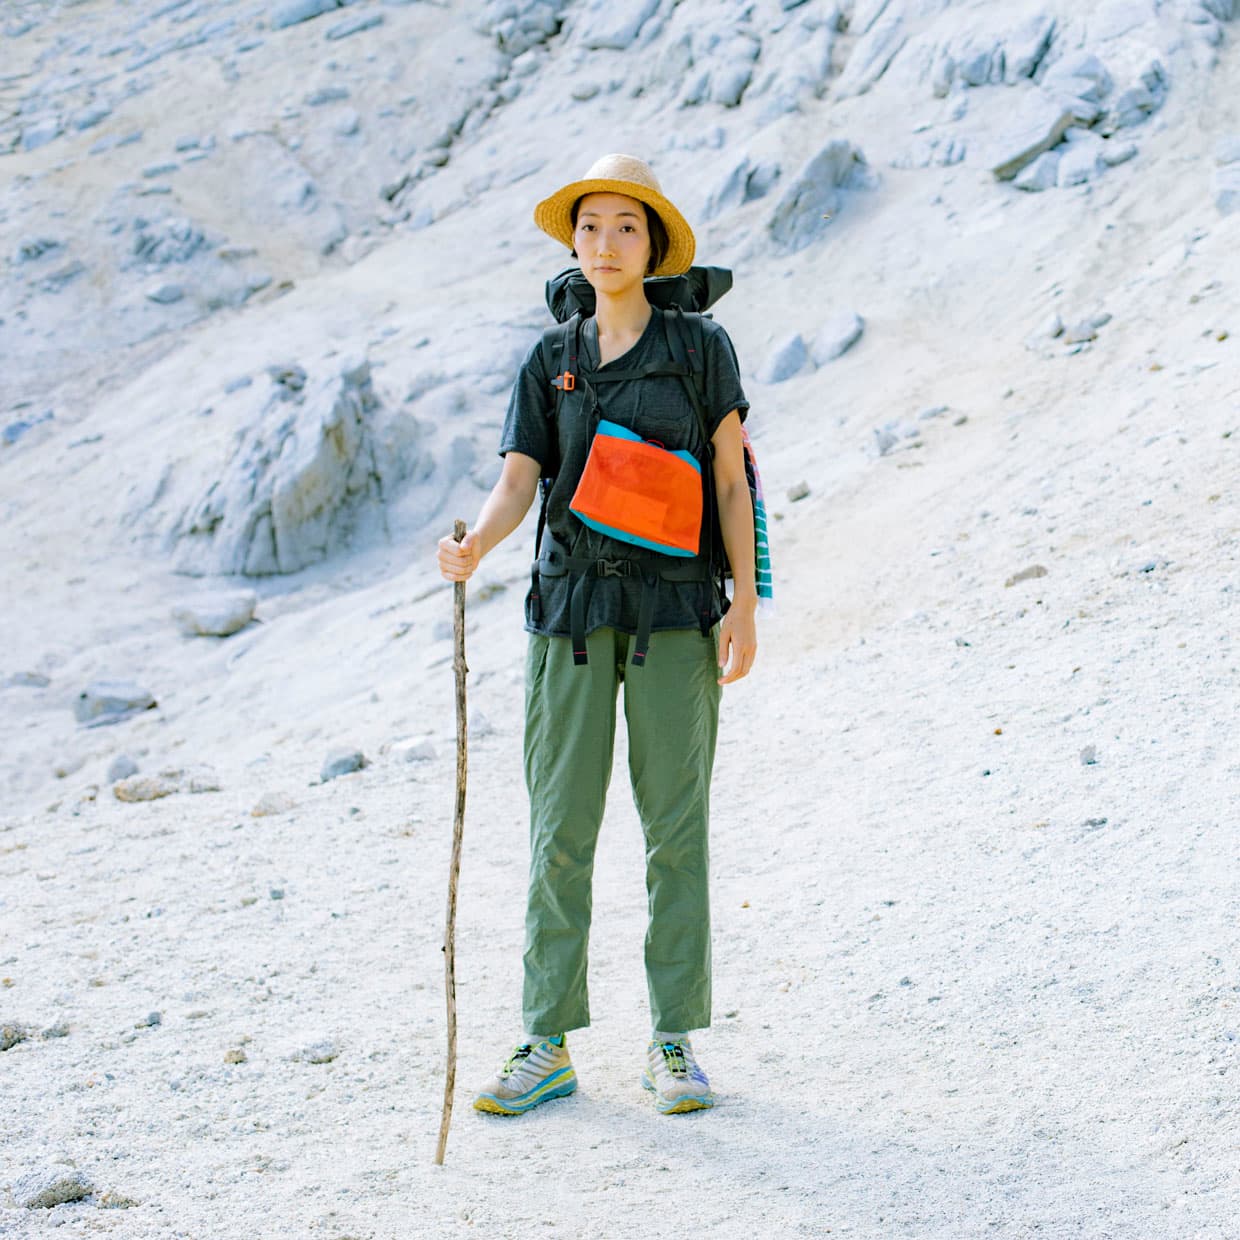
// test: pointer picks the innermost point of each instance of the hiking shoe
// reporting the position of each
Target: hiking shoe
(676, 1079)
(533, 1073)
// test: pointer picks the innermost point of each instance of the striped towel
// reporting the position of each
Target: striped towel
(762, 545)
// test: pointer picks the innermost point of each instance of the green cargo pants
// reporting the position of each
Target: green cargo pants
(671, 708)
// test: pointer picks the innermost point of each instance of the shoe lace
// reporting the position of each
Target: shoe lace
(674, 1058)
(515, 1060)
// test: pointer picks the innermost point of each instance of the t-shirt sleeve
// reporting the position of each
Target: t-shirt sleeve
(723, 379)
(528, 423)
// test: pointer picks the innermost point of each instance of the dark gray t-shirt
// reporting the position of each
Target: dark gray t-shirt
(655, 408)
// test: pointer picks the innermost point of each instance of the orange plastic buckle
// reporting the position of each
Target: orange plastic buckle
(567, 382)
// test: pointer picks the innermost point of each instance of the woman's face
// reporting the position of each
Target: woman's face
(612, 241)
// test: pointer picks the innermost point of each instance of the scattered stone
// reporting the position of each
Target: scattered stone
(1089, 755)
(1227, 150)
(1079, 161)
(110, 1200)
(271, 803)
(172, 240)
(342, 762)
(235, 1055)
(1038, 123)
(319, 1052)
(68, 766)
(1227, 188)
(121, 767)
(40, 133)
(219, 615)
(165, 294)
(146, 787)
(202, 779)
(151, 171)
(326, 94)
(837, 336)
(787, 359)
(15, 430)
(607, 25)
(109, 701)
(1042, 174)
(276, 893)
(291, 12)
(884, 440)
(413, 751)
(348, 122)
(816, 194)
(1080, 333)
(584, 91)
(1026, 574)
(798, 491)
(150, 1021)
(50, 1186)
(354, 25)
(27, 680)
(11, 1034)
(35, 247)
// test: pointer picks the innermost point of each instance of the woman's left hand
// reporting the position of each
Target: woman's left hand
(738, 641)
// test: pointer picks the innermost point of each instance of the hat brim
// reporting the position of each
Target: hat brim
(554, 216)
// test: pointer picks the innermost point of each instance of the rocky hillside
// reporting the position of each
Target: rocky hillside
(268, 270)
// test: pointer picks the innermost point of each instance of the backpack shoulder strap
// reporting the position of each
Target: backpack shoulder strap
(686, 339)
(558, 343)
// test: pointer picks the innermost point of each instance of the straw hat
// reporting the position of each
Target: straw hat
(621, 174)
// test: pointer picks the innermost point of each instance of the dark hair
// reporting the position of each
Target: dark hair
(659, 243)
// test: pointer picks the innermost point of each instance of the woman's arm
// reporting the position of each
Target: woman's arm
(738, 637)
(504, 510)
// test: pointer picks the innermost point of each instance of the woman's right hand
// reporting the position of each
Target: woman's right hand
(457, 560)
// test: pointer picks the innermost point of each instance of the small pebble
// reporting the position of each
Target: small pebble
(798, 492)
(1089, 755)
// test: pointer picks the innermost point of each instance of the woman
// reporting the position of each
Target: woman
(621, 229)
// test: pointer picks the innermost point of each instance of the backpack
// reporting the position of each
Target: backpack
(684, 299)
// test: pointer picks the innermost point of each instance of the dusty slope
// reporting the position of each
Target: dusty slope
(966, 985)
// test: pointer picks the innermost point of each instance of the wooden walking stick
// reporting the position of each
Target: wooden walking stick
(458, 830)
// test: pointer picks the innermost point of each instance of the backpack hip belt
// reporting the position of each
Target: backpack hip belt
(554, 561)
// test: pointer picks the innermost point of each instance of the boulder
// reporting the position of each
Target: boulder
(342, 762)
(816, 193)
(218, 615)
(607, 25)
(293, 482)
(873, 53)
(746, 182)
(837, 336)
(108, 701)
(1080, 160)
(1227, 188)
(1036, 124)
(788, 358)
(1040, 175)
